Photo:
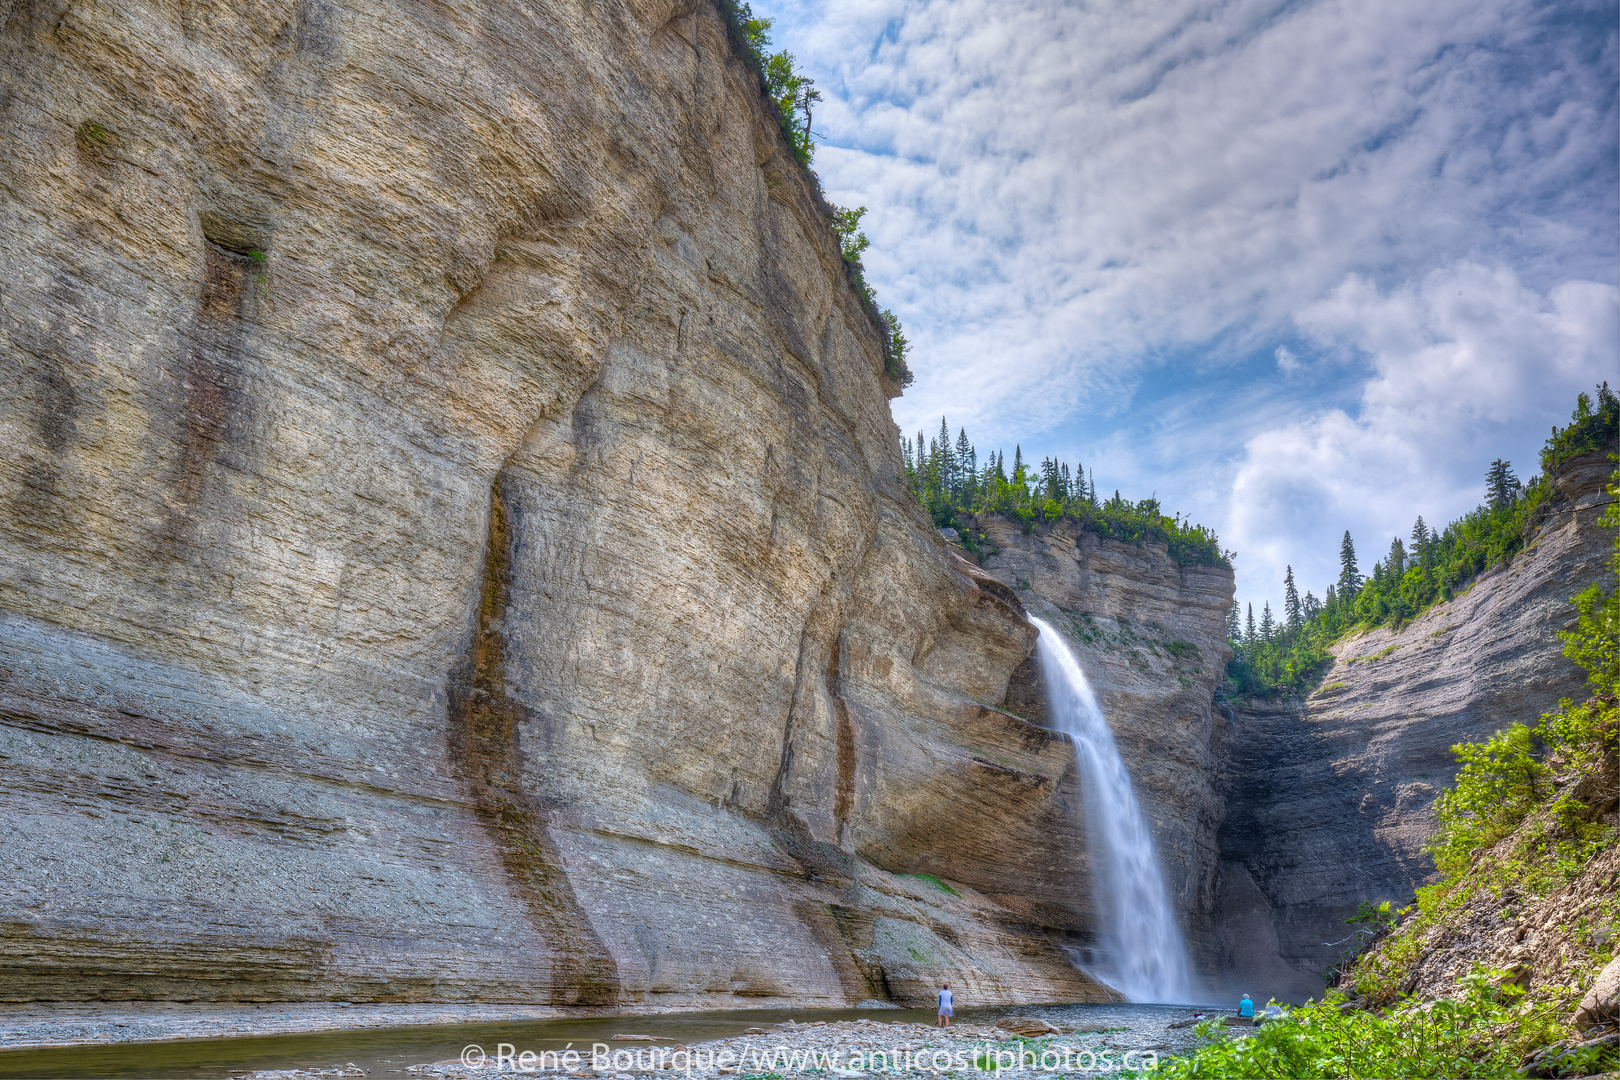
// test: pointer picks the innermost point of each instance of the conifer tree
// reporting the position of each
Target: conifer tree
(1349, 574)
(947, 458)
(1292, 611)
(1501, 486)
(1395, 561)
(1248, 634)
(1091, 488)
(1267, 625)
(1234, 623)
(967, 460)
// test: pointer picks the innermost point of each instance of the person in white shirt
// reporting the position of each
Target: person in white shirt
(946, 1011)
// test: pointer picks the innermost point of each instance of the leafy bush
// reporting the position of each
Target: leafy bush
(1451, 1037)
(1497, 787)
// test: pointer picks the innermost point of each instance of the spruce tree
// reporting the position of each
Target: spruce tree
(1501, 486)
(1349, 574)
(1091, 488)
(947, 459)
(1395, 561)
(967, 463)
(1248, 635)
(1267, 625)
(1234, 623)
(1292, 611)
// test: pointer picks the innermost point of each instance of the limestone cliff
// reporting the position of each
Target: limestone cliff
(452, 546)
(1331, 798)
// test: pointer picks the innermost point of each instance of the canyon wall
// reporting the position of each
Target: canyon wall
(1331, 798)
(453, 546)
(1151, 637)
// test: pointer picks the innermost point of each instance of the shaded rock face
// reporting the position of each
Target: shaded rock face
(1151, 637)
(452, 547)
(1331, 799)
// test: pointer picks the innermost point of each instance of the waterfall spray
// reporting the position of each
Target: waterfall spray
(1143, 954)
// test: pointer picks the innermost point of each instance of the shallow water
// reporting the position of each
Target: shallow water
(388, 1052)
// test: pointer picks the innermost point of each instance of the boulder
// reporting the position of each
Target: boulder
(1601, 1005)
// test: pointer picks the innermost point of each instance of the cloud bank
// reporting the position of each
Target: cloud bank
(1295, 267)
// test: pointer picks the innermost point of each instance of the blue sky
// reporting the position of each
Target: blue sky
(1294, 268)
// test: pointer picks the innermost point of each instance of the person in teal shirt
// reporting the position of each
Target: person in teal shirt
(1246, 1007)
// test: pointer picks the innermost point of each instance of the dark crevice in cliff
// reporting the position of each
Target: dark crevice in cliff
(210, 401)
(486, 751)
(845, 750)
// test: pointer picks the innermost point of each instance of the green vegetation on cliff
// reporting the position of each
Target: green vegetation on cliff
(952, 486)
(1526, 848)
(793, 96)
(1285, 654)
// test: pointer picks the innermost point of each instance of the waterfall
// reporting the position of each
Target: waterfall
(1141, 951)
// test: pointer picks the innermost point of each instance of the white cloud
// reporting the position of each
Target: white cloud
(1134, 233)
(1460, 361)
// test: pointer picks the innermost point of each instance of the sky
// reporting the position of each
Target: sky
(1291, 268)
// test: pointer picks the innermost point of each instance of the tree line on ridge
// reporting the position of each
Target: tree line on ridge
(1286, 652)
(954, 486)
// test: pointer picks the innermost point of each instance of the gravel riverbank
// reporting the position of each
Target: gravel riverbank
(1088, 1040)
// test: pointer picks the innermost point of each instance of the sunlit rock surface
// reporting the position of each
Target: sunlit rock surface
(452, 544)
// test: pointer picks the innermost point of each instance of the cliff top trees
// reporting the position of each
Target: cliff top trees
(947, 479)
(1592, 427)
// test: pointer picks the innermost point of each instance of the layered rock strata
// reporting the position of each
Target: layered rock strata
(1151, 637)
(1331, 799)
(452, 546)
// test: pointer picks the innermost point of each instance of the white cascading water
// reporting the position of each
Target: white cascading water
(1141, 951)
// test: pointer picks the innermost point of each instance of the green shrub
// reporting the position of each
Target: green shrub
(1448, 1038)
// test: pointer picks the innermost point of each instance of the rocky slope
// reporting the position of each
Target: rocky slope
(1330, 799)
(452, 547)
(1151, 637)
